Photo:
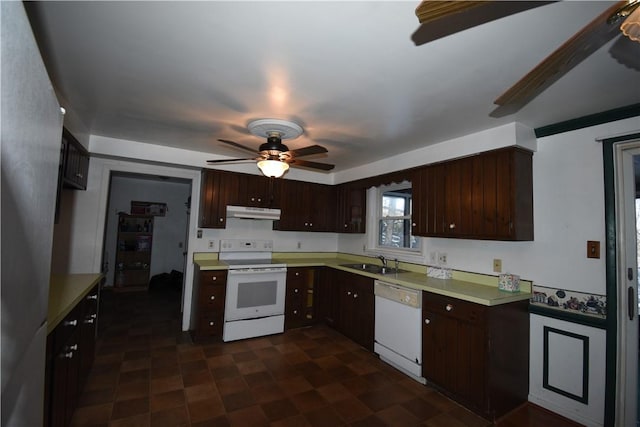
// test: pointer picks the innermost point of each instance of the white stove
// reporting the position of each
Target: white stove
(256, 284)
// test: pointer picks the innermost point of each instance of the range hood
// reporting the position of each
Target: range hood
(248, 212)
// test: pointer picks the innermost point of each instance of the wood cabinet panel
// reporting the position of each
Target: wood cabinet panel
(485, 196)
(306, 206)
(70, 355)
(208, 313)
(355, 307)
(350, 209)
(476, 354)
(75, 167)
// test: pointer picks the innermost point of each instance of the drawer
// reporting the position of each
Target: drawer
(213, 277)
(211, 297)
(453, 307)
(210, 326)
(67, 327)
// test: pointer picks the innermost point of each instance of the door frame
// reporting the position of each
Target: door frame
(614, 396)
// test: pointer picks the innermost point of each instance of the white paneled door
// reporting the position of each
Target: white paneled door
(627, 283)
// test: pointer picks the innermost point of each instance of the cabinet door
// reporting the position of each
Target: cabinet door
(438, 343)
(323, 210)
(328, 296)
(351, 206)
(218, 189)
(436, 200)
(419, 202)
(292, 201)
(364, 312)
(76, 162)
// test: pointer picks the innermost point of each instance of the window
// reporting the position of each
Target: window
(391, 219)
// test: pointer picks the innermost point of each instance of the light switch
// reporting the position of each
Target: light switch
(593, 249)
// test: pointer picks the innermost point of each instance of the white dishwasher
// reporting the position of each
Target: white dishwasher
(398, 328)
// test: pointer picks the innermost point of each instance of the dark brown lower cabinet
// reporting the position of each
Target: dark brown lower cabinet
(210, 289)
(70, 355)
(476, 354)
(355, 305)
(300, 306)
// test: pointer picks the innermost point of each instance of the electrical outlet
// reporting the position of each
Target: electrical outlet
(433, 257)
(497, 265)
(212, 244)
(199, 234)
(442, 258)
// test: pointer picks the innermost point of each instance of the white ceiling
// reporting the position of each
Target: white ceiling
(184, 74)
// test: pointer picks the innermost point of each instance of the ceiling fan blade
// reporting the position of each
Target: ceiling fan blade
(589, 39)
(230, 160)
(312, 165)
(443, 18)
(307, 151)
(235, 144)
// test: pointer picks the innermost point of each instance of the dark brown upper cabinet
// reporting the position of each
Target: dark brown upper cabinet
(306, 206)
(74, 162)
(351, 202)
(485, 196)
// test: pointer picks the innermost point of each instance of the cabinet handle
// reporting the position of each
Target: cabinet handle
(295, 290)
(297, 273)
(212, 323)
(68, 355)
(221, 219)
(73, 347)
(212, 297)
(348, 292)
(79, 175)
(449, 307)
(413, 224)
(88, 321)
(295, 311)
(253, 199)
(452, 226)
(214, 278)
(92, 297)
(355, 295)
(259, 199)
(94, 316)
(70, 323)
(427, 321)
(310, 224)
(346, 225)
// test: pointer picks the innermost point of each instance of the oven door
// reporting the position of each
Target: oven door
(254, 293)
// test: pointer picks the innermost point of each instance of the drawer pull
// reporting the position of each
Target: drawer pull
(89, 321)
(212, 323)
(295, 311)
(212, 297)
(427, 321)
(295, 290)
(68, 355)
(355, 295)
(92, 297)
(214, 278)
(73, 347)
(449, 307)
(70, 323)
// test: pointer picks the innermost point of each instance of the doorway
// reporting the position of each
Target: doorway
(170, 233)
(627, 244)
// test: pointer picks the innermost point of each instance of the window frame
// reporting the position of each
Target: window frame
(374, 215)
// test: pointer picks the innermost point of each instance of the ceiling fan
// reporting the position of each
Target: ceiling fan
(273, 157)
(441, 18)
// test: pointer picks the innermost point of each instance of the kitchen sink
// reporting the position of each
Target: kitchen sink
(374, 268)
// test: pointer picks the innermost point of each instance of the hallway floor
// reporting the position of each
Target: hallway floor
(149, 373)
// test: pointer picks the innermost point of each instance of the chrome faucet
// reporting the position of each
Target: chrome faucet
(383, 259)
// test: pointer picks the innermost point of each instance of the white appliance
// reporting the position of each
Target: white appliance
(248, 212)
(398, 328)
(31, 139)
(256, 285)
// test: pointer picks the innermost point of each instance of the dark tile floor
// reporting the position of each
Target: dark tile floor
(149, 373)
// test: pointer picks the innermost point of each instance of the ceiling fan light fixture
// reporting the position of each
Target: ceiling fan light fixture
(631, 26)
(273, 168)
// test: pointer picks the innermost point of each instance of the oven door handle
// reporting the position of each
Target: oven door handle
(252, 271)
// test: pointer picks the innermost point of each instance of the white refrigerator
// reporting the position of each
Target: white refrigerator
(31, 129)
